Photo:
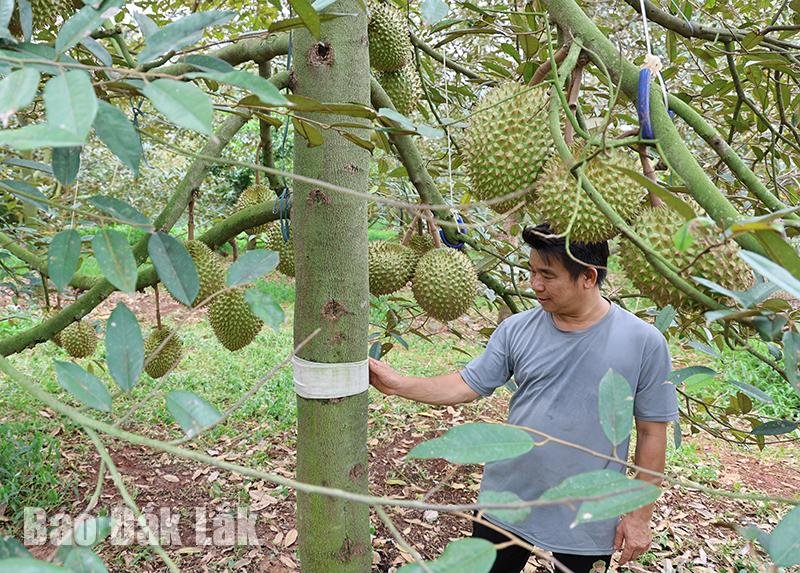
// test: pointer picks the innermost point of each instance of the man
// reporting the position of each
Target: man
(558, 353)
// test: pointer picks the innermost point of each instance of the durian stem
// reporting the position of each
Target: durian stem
(544, 68)
(190, 215)
(411, 228)
(567, 66)
(652, 256)
(455, 66)
(649, 171)
(497, 287)
(45, 289)
(158, 306)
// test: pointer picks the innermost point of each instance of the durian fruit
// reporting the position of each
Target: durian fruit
(721, 264)
(558, 196)
(389, 43)
(445, 283)
(403, 88)
(421, 244)
(45, 14)
(234, 324)
(507, 143)
(253, 195)
(209, 270)
(79, 339)
(167, 358)
(285, 249)
(391, 266)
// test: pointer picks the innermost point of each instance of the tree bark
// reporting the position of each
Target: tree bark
(330, 242)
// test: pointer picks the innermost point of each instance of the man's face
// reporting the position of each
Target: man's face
(554, 287)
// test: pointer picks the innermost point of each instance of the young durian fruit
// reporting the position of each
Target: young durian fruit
(445, 283)
(254, 195)
(45, 13)
(232, 321)
(403, 88)
(391, 266)
(704, 257)
(389, 42)
(79, 339)
(507, 143)
(564, 205)
(285, 249)
(210, 270)
(158, 364)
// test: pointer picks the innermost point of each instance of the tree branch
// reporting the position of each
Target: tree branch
(455, 66)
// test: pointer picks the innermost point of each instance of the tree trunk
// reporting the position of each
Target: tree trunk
(330, 245)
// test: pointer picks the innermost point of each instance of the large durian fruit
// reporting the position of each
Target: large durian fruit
(721, 264)
(445, 283)
(232, 321)
(285, 249)
(391, 266)
(507, 143)
(210, 270)
(158, 364)
(558, 197)
(79, 339)
(253, 195)
(389, 43)
(45, 14)
(403, 88)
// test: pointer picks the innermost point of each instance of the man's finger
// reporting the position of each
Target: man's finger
(627, 555)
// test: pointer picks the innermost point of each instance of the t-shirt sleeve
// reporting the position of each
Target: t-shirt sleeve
(493, 367)
(656, 399)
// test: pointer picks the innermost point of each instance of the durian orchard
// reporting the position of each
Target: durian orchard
(453, 126)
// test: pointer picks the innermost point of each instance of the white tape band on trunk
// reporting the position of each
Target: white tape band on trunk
(322, 380)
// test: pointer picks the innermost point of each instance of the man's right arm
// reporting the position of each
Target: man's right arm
(438, 390)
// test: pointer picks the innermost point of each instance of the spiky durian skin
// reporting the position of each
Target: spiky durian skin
(507, 143)
(232, 321)
(721, 264)
(558, 196)
(403, 88)
(391, 266)
(389, 43)
(45, 14)
(285, 249)
(421, 244)
(253, 195)
(445, 283)
(167, 358)
(209, 270)
(79, 339)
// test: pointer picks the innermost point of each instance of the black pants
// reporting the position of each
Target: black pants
(513, 558)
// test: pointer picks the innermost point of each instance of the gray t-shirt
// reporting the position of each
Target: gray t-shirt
(558, 374)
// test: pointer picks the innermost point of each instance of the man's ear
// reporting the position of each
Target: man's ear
(590, 276)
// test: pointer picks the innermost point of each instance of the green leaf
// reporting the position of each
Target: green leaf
(174, 266)
(774, 272)
(206, 63)
(615, 404)
(116, 260)
(145, 23)
(84, 22)
(86, 388)
(124, 347)
(71, 103)
(39, 135)
(251, 266)
(683, 239)
(264, 307)
(83, 560)
(475, 443)
(774, 428)
(611, 494)
(308, 15)
(469, 555)
(26, 193)
(6, 11)
(672, 200)
(66, 164)
(258, 86)
(120, 210)
(10, 547)
(181, 33)
(676, 434)
(63, 257)
(183, 104)
(665, 317)
(191, 411)
(752, 391)
(312, 135)
(89, 532)
(24, 565)
(791, 357)
(433, 11)
(678, 376)
(784, 541)
(98, 51)
(17, 90)
(507, 515)
(118, 134)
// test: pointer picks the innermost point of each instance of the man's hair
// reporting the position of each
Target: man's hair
(541, 238)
